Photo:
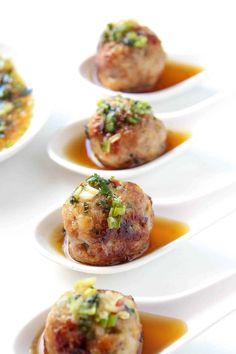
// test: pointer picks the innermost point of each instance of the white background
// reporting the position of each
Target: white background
(57, 35)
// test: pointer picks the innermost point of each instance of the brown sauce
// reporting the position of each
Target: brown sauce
(79, 151)
(34, 349)
(174, 73)
(164, 231)
(159, 333)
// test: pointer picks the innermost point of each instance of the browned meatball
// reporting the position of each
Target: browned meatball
(90, 321)
(129, 58)
(124, 133)
(107, 221)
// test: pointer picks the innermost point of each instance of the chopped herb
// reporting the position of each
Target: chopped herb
(141, 107)
(118, 112)
(101, 183)
(117, 210)
(77, 192)
(109, 125)
(113, 223)
(112, 319)
(125, 32)
(111, 204)
(133, 120)
(106, 145)
(134, 39)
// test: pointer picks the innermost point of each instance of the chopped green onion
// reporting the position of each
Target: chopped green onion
(106, 146)
(112, 319)
(141, 107)
(118, 210)
(86, 309)
(133, 120)
(84, 283)
(140, 42)
(113, 222)
(101, 183)
(77, 192)
(103, 322)
(90, 292)
(110, 122)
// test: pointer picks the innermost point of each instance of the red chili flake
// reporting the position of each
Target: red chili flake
(115, 182)
(120, 302)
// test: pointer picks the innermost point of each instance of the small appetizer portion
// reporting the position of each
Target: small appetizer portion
(90, 321)
(15, 104)
(107, 221)
(124, 133)
(129, 57)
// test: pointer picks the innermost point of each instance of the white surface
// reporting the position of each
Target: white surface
(58, 35)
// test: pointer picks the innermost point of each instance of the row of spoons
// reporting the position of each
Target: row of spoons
(183, 123)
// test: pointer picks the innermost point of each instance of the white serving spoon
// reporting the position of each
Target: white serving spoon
(197, 216)
(87, 72)
(61, 139)
(200, 308)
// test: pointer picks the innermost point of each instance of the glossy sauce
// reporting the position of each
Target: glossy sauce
(159, 333)
(164, 231)
(174, 73)
(79, 151)
(17, 120)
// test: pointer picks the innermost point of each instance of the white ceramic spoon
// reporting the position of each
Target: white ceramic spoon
(58, 143)
(87, 72)
(40, 96)
(211, 210)
(200, 308)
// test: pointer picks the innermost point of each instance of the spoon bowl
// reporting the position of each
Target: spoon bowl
(87, 72)
(60, 141)
(200, 308)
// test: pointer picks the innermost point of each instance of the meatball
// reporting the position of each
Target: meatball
(107, 221)
(90, 321)
(129, 57)
(123, 133)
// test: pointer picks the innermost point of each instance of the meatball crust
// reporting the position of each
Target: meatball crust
(129, 57)
(136, 138)
(110, 228)
(91, 321)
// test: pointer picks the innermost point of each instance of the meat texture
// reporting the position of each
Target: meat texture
(123, 133)
(107, 221)
(130, 57)
(90, 321)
